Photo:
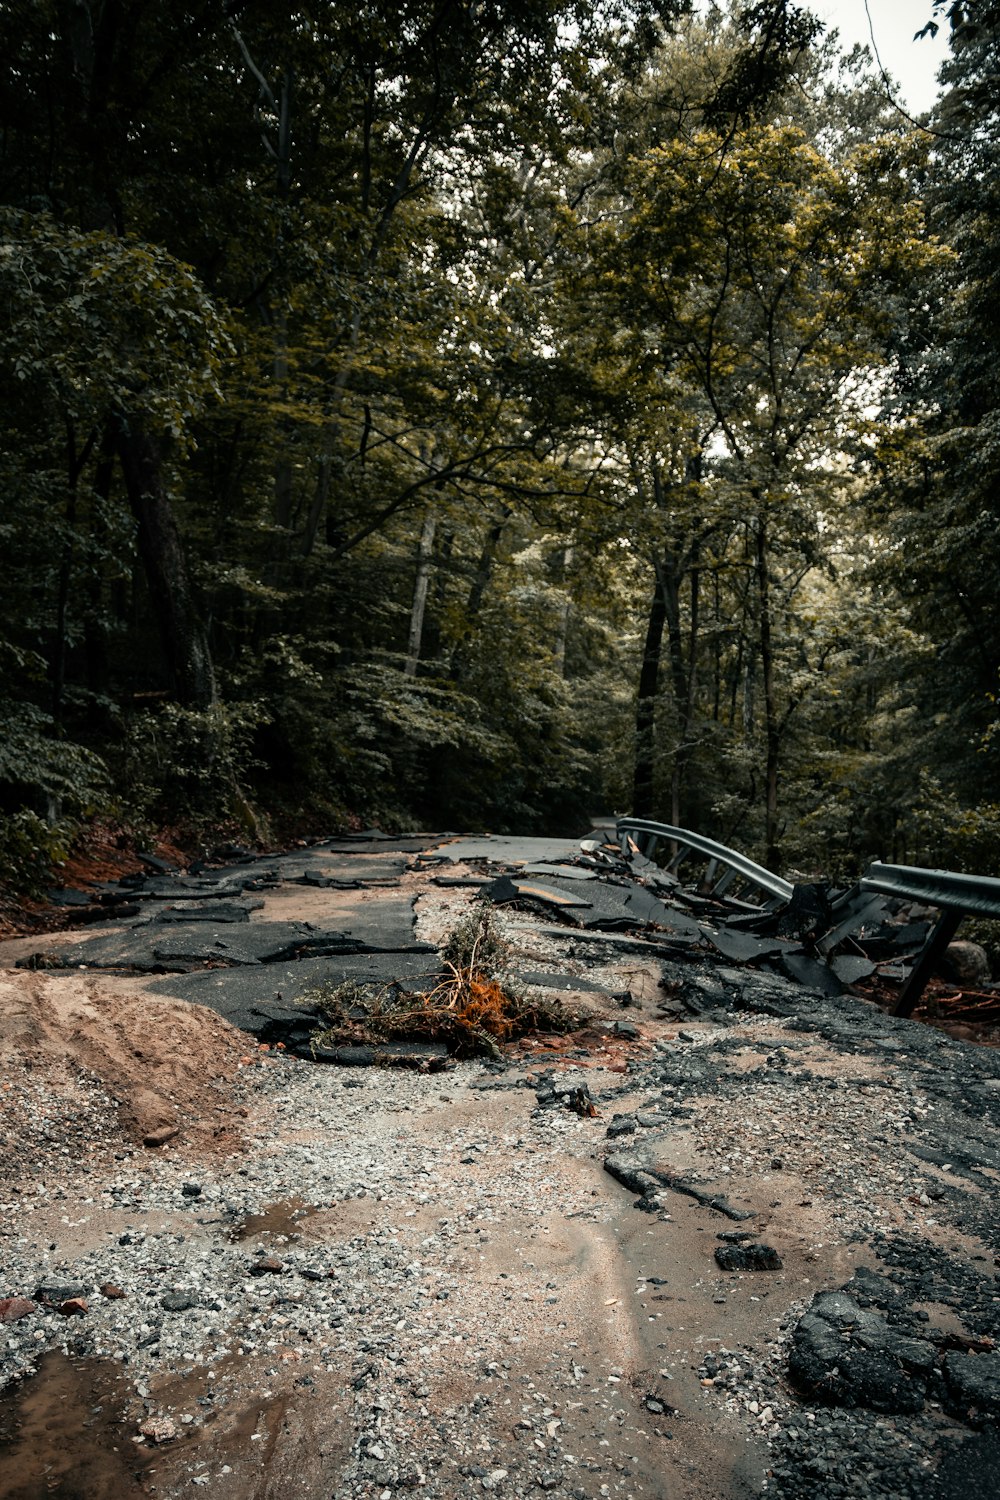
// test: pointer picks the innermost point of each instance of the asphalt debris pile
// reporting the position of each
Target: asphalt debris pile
(687, 897)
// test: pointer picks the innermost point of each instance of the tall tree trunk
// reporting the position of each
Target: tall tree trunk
(283, 463)
(645, 709)
(717, 653)
(425, 553)
(484, 566)
(772, 728)
(185, 644)
(461, 655)
(680, 682)
(562, 622)
(95, 629)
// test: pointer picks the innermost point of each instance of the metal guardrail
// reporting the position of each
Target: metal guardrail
(973, 895)
(734, 862)
(956, 895)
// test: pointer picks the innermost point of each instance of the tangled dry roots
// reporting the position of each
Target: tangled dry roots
(472, 1010)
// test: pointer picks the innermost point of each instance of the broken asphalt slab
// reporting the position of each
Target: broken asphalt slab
(153, 949)
(382, 927)
(599, 904)
(505, 850)
(277, 1002)
(350, 868)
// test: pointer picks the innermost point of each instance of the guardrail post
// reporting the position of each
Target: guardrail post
(938, 938)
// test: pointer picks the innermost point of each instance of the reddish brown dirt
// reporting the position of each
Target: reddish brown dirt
(102, 852)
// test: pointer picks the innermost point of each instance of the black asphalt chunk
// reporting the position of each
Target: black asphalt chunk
(67, 896)
(599, 904)
(590, 943)
(806, 915)
(850, 967)
(212, 911)
(560, 982)
(744, 947)
(257, 943)
(846, 1355)
(812, 974)
(241, 877)
(563, 872)
(384, 925)
(749, 1257)
(507, 850)
(644, 1172)
(354, 867)
(508, 888)
(973, 1382)
(196, 888)
(154, 862)
(149, 949)
(268, 1000)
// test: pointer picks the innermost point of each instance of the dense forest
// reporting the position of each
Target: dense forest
(483, 413)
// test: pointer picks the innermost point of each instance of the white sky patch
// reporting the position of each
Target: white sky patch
(912, 64)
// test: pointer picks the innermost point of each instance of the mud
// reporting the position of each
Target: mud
(63, 1435)
(279, 1221)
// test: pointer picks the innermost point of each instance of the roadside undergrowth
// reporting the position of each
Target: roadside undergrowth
(473, 1009)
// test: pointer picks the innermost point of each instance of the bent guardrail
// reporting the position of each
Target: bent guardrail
(688, 842)
(955, 895)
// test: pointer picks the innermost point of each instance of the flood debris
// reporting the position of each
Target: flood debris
(472, 1009)
(669, 888)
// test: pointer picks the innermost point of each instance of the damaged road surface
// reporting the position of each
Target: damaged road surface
(734, 1235)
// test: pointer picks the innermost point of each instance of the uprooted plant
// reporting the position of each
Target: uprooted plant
(472, 1009)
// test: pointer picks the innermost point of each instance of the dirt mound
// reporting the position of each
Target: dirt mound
(114, 1060)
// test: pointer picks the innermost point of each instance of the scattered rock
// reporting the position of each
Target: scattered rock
(158, 1429)
(968, 962)
(753, 1257)
(268, 1265)
(112, 1292)
(54, 1293)
(161, 1135)
(13, 1308)
(74, 1307)
(177, 1302)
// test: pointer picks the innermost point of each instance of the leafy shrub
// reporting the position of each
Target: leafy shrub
(191, 765)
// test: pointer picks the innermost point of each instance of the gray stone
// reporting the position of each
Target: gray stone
(968, 962)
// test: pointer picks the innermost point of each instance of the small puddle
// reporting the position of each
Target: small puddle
(281, 1220)
(63, 1436)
